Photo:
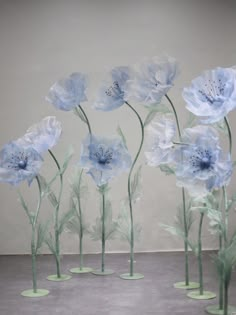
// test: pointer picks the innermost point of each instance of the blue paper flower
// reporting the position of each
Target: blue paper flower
(153, 80)
(104, 158)
(160, 136)
(201, 165)
(212, 95)
(68, 93)
(111, 95)
(18, 163)
(42, 136)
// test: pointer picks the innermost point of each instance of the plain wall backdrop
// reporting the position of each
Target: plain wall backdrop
(42, 41)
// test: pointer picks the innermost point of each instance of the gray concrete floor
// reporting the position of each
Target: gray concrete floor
(92, 295)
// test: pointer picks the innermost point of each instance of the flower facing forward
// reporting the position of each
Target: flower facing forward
(43, 135)
(111, 95)
(104, 158)
(153, 81)
(212, 95)
(18, 163)
(160, 136)
(201, 165)
(68, 93)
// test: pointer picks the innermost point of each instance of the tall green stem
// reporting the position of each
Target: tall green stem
(129, 192)
(186, 251)
(86, 118)
(80, 218)
(226, 297)
(33, 247)
(200, 254)
(229, 134)
(56, 223)
(103, 232)
(221, 279)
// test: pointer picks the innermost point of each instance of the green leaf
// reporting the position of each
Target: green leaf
(221, 126)
(150, 116)
(42, 230)
(64, 219)
(46, 191)
(191, 121)
(174, 230)
(120, 133)
(166, 169)
(110, 225)
(31, 216)
(77, 111)
(136, 185)
(50, 243)
(67, 159)
(124, 225)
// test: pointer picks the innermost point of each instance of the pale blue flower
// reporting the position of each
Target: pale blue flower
(104, 158)
(160, 137)
(18, 163)
(43, 135)
(201, 165)
(212, 95)
(111, 95)
(68, 93)
(153, 80)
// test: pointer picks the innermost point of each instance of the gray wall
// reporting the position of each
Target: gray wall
(42, 41)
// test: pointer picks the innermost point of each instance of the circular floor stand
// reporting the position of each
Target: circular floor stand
(127, 276)
(106, 272)
(32, 294)
(81, 270)
(207, 295)
(55, 278)
(214, 309)
(190, 286)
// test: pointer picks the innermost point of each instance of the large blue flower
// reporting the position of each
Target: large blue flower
(212, 95)
(201, 165)
(111, 95)
(104, 158)
(153, 80)
(160, 136)
(18, 163)
(43, 135)
(68, 93)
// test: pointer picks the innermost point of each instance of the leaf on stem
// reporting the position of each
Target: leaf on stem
(166, 169)
(120, 133)
(46, 191)
(136, 185)
(65, 219)
(78, 112)
(42, 231)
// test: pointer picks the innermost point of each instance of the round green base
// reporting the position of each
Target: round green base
(55, 278)
(81, 270)
(135, 276)
(106, 272)
(190, 286)
(214, 309)
(32, 294)
(207, 295)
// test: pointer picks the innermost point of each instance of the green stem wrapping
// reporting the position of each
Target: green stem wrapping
(226, 297)
(103, 232)
(80, 218)
(56, 223)
(129, 192)
(221, 279)
(186, 251)
(201, 289)
(86, 118)
(33, 247)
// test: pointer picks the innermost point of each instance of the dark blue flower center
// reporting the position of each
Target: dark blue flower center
(103, 155)
(202, 160)
(115, 91)
(212, 90)
(22, 164)
(18, 161)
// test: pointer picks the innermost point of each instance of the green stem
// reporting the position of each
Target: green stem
(56, 223)
(226, 297)
(186, 251)
(229, 134)
(129, 192)
(221, 279)
(200, 255)
(86, 118)
(103, 232)
(80, 218)
(33, 259)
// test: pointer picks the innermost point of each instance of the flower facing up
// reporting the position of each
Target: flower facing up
(160, 136)
(68, 93)
(104, 158)
(201, 165)
(111, 95)
(212, 95)
(18, 163)
(42, 136)
(153, 81)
